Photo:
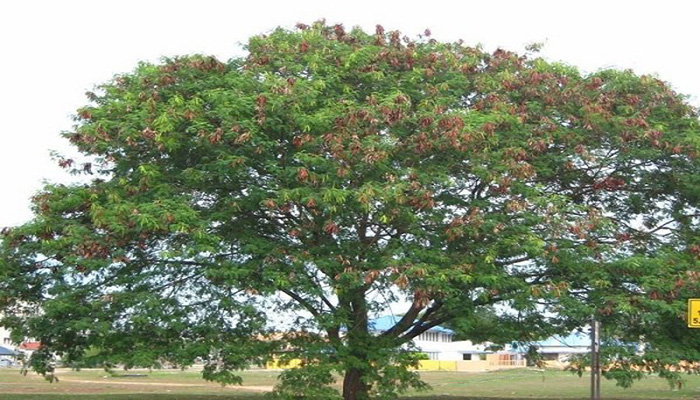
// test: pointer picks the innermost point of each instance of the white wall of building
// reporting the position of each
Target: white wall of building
(565, 349)
(446, 350)
(5, 340)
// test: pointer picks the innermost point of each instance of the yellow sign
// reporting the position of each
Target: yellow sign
(693, 313)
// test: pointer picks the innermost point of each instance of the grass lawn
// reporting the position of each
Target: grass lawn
(549, 384)
(179, 385)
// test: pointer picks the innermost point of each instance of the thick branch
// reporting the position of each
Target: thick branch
(418, 329)
(405, 322)
(303, 302)
(418, 325)
(437, 304)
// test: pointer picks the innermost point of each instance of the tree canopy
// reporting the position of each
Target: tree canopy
(331, 174)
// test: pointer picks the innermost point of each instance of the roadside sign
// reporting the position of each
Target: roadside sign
(693, 313)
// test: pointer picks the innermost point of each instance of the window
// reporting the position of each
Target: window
(429, 337)
(7, 340)
(509, 359)
(466, 357)
(435, 337)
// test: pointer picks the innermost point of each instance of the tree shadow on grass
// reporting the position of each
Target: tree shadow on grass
(448, 397)
(254, 396)
(130, 396)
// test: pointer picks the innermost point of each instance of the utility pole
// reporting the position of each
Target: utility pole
(595, 360)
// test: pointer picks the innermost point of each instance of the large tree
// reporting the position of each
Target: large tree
(330, 174)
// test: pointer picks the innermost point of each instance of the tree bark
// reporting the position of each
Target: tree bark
(353, 386)
(358, 343)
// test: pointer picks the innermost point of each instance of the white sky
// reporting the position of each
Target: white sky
(51, 52)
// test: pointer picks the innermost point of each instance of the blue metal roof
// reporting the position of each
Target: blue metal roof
(386, 322)
(574, 339)
(4, 351)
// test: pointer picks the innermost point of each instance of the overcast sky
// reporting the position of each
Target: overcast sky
(51, 52)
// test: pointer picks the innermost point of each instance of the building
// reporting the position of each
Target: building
(437, 343)
(22, 351)
(8, 357)
(28, 348)
(5, 339)
(557, 349)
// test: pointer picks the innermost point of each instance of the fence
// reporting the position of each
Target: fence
(493, 361)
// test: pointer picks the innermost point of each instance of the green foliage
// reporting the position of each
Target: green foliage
(310, 382)
(330, 173)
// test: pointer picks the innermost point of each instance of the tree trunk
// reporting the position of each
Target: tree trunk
(358, 343)
(353, 387)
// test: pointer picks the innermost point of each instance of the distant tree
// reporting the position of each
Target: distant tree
(331, 173)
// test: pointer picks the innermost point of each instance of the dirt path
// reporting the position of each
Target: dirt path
(106, 382)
